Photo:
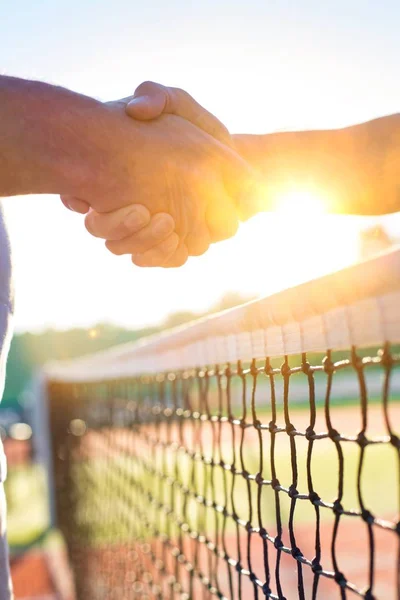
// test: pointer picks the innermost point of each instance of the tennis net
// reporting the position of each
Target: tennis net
(251, 454)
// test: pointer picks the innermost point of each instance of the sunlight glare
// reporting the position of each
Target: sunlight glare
(299, 203)
(301, 239)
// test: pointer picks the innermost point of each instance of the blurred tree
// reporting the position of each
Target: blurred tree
(230, 300)
(178, 318)
(31, 350)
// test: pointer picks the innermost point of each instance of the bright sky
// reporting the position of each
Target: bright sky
(259, 65)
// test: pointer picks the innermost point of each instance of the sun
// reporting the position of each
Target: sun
(295, 241)
(301, 203)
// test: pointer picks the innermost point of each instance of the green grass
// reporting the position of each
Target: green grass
(28, 515)
(379, 482)
(106, 494)
(107, 505)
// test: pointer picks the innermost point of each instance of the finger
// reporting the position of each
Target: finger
(153, 99)
(148, 102)
(75, 204)
(118, 224)
(159, 228)
(157, 256)
(198, 242)
(179, 257)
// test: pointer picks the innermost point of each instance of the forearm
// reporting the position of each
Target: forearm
(48, 138)
(357, 168)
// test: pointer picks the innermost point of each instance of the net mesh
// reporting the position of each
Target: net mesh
(255, 454)
(275, 478)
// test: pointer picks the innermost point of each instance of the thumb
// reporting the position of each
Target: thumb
(151, 99)
(147, 106)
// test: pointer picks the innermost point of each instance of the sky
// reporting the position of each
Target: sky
(260, 66)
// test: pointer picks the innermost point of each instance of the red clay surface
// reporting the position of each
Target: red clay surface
(195, 434)
(42, 575)
(31, 577)
(124, 573)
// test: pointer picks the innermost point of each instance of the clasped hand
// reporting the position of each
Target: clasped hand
(175, 184)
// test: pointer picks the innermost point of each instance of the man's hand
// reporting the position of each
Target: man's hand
(169, 166)
(357, 167)
(147, 246)
(150, 101)
(150, 239)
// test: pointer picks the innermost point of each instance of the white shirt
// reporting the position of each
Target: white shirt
(6, 315)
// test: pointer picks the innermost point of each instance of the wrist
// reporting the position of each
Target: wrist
(115, 143)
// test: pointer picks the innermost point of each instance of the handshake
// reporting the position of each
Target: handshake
(178, 185)
(161, 179)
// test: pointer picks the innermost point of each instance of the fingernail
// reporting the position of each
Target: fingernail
(135, 101)
(138, 100)
(136, 219)
(162, 226)
(66, 204)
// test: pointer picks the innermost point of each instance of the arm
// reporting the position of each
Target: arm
(47, 138)
(151, 100)
(43, 150)
(358, 166)
(55, 141)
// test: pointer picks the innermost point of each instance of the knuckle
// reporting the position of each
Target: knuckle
(198, 246)
(232, 228)
(113, 248)
(216, 129)
(227, 231)
(182, 261)
(137, 260)
(148, 259)
(178, 99)
(120, 231)
(175, 264)
(128, 222)
(140, 261)
(179, 258)
(137, 246)
(170, 244)
(180, 93)
(89, 224)
(204, 121)
(163, 225)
